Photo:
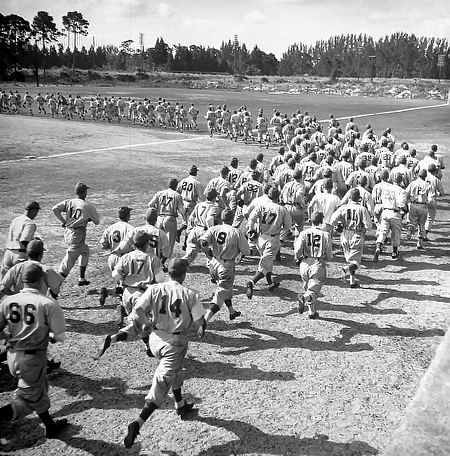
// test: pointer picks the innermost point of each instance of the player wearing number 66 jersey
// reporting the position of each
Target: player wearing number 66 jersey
(222, 244)
(313, 248)
(356, 221)
(78, 214)
(271, 219)
(169, 204)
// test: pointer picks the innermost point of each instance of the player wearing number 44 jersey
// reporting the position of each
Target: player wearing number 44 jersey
(78, 214)
(313, 249)
(32, 320)
(222, 244)
(169, 308)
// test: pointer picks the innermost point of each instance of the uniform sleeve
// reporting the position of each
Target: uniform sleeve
(329, 247)
(164, 244)
(54, 280)
(8, 280)
(118, 274)
(243, 244)
(287, 220)
(335, 216)
(144, 302)
(126, 245)
(104, 240)
(56, 320)
(93, 215)
(154, 201)
(60, 207)
(197, 310)
(28, 232)
(156, 266)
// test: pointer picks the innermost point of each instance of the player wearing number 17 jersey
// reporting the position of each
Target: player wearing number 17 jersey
(313, 248)
(223, 243)
(78, 214)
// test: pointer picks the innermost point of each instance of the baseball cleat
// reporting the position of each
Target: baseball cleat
(355, 285)
(314, 316)
(106, 344)
(133, 432)
(103, 296)
(52, 365)
(83, 283)
(301, 304)
(376, 256)
(187, 407)
(420, 246)
(119, 291)
(394, 255)
(276, 283)
(235, 315)
(57, 427)
(249, 291)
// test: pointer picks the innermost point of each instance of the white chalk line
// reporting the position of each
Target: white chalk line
(105, 149)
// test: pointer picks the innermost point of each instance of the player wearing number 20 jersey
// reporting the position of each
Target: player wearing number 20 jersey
(78, 214)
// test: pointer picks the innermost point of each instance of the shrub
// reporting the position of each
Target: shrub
(264, 80)
(130, 78)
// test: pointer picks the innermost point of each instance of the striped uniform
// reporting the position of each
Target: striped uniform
(112, 238)
(293, 197)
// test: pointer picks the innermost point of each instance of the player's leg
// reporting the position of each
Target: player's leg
(261, 271)
(431, 217)
(421, 221)
(382, 233)
(83, 262)
(396, 232)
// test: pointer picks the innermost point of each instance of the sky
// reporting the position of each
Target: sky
(273, 25)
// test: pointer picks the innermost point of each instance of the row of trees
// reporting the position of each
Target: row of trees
(401, 55)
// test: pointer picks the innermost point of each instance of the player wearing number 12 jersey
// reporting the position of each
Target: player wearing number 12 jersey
(313, 248)
(223, 243)
(78, 214)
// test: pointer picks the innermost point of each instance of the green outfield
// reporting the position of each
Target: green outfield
(270, 383)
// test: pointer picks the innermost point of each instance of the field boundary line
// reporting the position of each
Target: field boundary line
(396, 111)
(104, 149)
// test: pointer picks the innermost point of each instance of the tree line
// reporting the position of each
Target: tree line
(400, 55)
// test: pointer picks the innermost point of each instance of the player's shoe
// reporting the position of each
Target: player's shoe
(133, 432)
(178, 238)
(301, 304)
(355, 285)
(103, 296)
(278, 257)
(106, 344)
(119, 291)
(249, 291)
(52, 365)
(57, 427)
(149, 353)
(183, 411)
(275, 284)
(83, 283)
(376, 255)
(314, 316)
(235, 315)
(420, 246)
(394, 255)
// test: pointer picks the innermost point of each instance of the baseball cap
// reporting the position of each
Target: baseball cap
(260, 156)
(151, 214)
(281, 150)
(31, 272)
(177, 267)
(124, 211)
(35, 246)
(234, 161)
(317, 218)
(274, 193)
(32, 205)
(355, 195)
(227, 215)
(80, 188)
(211, 194)
(173, 183)
(193, 168)
(140, 237)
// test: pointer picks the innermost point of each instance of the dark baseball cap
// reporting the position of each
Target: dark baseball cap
(80, 188)
(32, 205)
(260, 156)
(193, 169)
(273, 193)
(317, 218)
(173, 183)
(35, 246)
(31, 272)
(140, 237)
(178, 266)
(124, 211)
(227, 215)
(211, 194)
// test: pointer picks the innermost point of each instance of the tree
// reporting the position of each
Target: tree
(75, 23)
(44, 30)
(160, 54)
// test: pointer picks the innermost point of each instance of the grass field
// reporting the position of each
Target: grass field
(271, 383)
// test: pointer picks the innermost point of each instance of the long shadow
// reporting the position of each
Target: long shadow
(87, 327)
(252, 440)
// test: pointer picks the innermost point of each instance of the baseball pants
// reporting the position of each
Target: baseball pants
(268, 247)
(432, 210)
(10, 259)
(223, 271)
(169, 225)
(352, 246)
(418, 214)
(313, 273)
(76, 239)
(390, 220)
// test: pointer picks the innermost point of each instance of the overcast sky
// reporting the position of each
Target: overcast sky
(271, 24)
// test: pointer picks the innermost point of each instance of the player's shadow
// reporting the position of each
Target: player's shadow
(262, 339)
(7, 381)
(87, 327)
(251, 440)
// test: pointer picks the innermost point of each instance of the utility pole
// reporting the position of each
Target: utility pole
(235, 50)
(440, 64)
(93, 53)
(141, 48)
(372, 58)
(360, 53)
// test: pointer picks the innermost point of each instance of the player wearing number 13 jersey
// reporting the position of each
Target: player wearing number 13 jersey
(78, 214)
(313, 248)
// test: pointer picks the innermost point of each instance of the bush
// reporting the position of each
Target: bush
(64, 75)
(108, 78)
(122, 77)
(142, 75)
(17, 76)
(130, 78)
(264, 80)
(93, 75)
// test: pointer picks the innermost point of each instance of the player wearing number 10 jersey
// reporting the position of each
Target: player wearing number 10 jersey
(78, 214)
(313, 248)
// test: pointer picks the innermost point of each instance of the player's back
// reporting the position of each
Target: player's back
(272, 217)
(224, 241)
(115, 234)
(203, 214)
(313, 244)
(138, 269)
(188, 188)
(78, 213)
(21, 228)
(167, 202)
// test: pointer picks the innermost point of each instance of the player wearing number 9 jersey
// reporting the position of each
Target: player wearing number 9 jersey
(78, 214)
(31, 319)
(356, 221)
(223, 243)
(313, 248)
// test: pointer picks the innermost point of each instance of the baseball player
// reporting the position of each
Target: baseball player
(202, 218)
(269, 219)
(32, 320)
(222, 244)
(234, 172)
(222, 185)
(134, 272)
(393, 200)
(325, 203)
(169, 204)
(356, 221)
(293, 197)
(192, 192)
(169, 308)
(78, 214)
(437, 190)
(419, 194)
(313, 248)
(111, 240)
(21, 231)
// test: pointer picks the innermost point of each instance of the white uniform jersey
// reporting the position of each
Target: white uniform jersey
(115, 234)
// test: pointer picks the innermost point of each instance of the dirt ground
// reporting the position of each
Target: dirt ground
(271, 382)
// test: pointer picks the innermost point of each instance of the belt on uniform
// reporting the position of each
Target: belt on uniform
(177, 333)
(390, 209)
(417, 202)
(30, 352)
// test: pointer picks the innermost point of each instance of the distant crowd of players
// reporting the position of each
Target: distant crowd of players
(322, 181)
